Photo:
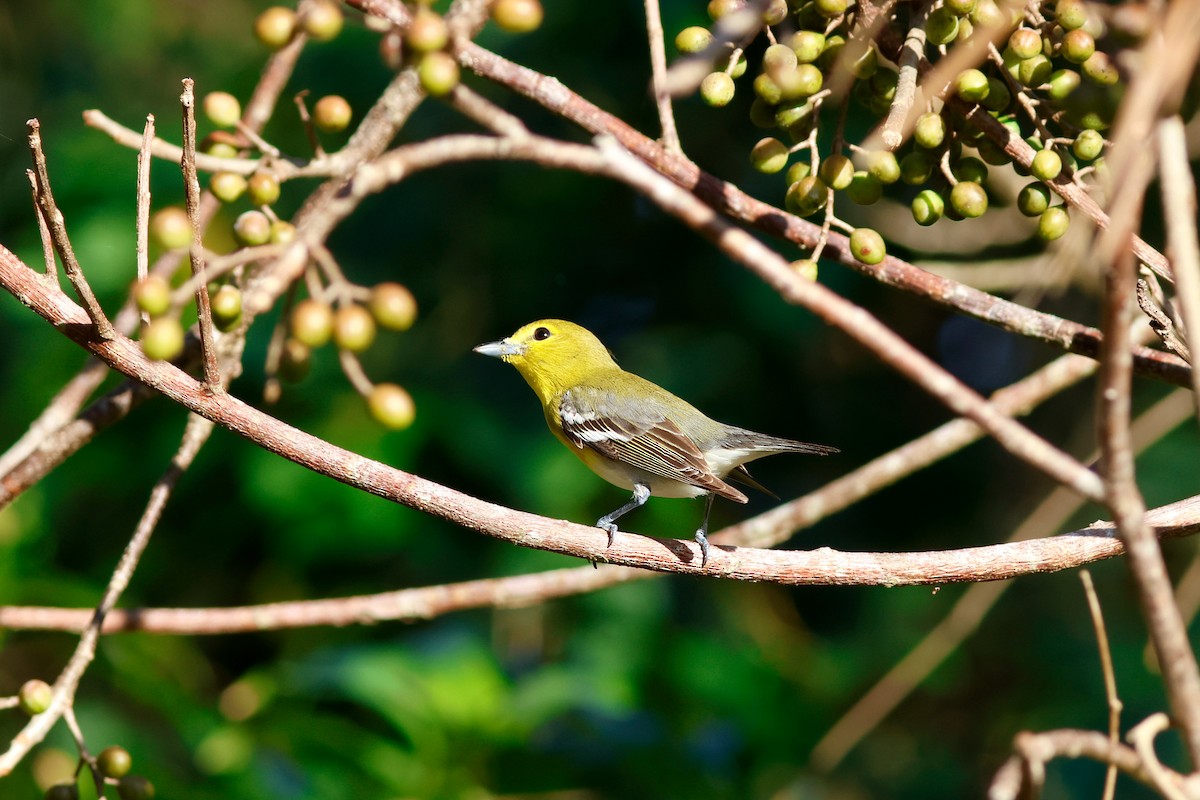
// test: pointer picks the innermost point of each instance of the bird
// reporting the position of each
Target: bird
(630, 431)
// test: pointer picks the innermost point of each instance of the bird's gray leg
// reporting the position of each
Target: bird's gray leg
(641, 493)
(702, 532)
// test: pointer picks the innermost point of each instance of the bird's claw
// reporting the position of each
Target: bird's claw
(608, 526)
(702, 540)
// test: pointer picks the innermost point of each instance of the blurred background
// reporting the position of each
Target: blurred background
(668, 687)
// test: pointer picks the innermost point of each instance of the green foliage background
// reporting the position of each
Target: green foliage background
(668, 687)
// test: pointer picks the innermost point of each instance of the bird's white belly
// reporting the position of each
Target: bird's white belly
(626, 476)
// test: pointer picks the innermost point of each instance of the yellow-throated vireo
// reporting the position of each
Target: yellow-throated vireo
(629, 431)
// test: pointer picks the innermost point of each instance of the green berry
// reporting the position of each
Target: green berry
(867, 246)
(998, 96)
(1046, 165)
(1035, 71)
(807, 196)
(1070, 14)
(135, 787)
(779, 57)
(1078, 46)
(969, 199)
(798, 172)
(1025, 43)
(263, 188)
(961, 7)
(222, 109)
(1033, 199)
(323, 21)
(693, 40)
(311, 323)
(152, 294)
(162, 339)
(332, 113)
(353, 328)
(883, 83)
(227, 186)
(1053, 223)
(864, 189)
(769, 156)
(1099, 69)
(170, 228)
(393, 306)
(35, 696)
(831, 8)
(282, 232)
(806, 268)
(916, 168)
(252, 228)
(719, 8)
(971, 85)
(716, 89)
(837, 171)
(928, 207)
(114, 762)
(807, 81)
(930, 130)
(969, 168)
(1062, 83)
(775, 12)
(941, 27)
(808, 46)
(1088, 145)
(882, 164)
(428, 30)
(226, 305)
(275, 26)
(391, 406)
(439, 73)
(762, 113)
(62, 791)
(518, 16)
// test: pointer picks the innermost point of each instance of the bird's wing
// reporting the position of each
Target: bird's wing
(643, 439)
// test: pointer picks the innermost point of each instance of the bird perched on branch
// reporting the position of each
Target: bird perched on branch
(629, 431)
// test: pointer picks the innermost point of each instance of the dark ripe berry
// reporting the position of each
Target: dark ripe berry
(693, 40)
(798, 172)
(114, 762)
(806, 268)
(775, 12)
(227, 186)
(518, 16)
(882, 164)
(252, 228)
(928, 207)
(769, 156)
(263, 188)
(311, 323)
(135, 787)
(439, 73)
(864, 189)
(867, 246)
(1070, 14)
(831, 8)
(1062, 83)
(35, 696)
(1053, 223)
(837, 171)
(1025, 43)
(427, 31)
(941, 27)
(930, 130)
(282, 232)
(275, 26)
(916, 168)
(152, 294)
(324, 20)
(170, 228)
(62, 791)
(1046, 165)
(332, 113)
(226, 305)
(807, 196)
(222, 109)
(1035, 71)
(1088, 145)
(971, 85)
(1033, 199)
(162, 339)
(1078, 46)
(969, 199)
(391, 406)
(969, 168)
(353, 328)
(808, 45)
(716, 89)
(295, 361)
(1100, 69)
(393, 306)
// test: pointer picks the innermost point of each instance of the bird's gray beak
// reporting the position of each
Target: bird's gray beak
(501, 349)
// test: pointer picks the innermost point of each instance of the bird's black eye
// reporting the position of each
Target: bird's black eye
(541, 333)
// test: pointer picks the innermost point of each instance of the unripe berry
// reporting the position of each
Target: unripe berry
(883, 165)
(252, 228)
(35, 696)
(275, 26)
(768, 91)
(427, 31)
(170, 228)
(778, 58)
(865, 189)
(1078, 46)
(1053, 223)
(930, 130)
(719, 8)
(332, 113)
(393, 306)
(391, 406)
(769, 156)
(1035, 71)
(807, 45)
(263, 188)
(798, 172)
(1025, 43)
(969, 168)
(961, 7)
(62, 791)
(439, 73)
(226, 306)
(1088, 145)
(353, 328)
(716, 89)
(135, 787)
(806, 268)
(916, 168)
(1099, 69)
(324, 20)
(998, 96)
(282, 232)
(693, 40)
(311, 323)
(867, 246)
(804, 81)
(971, 85)
(227, 186)
(518, 16)
(941, 27)
(775, 12)
(831, 8)
(807, 196)
(1070, 14)
(152, 294)
(1046, 165)
(114, 762)
(162, 339)
(1033, 199)
(222, 109)
(928, 207)
(1062, 83)
(837, 171)
(969, 199)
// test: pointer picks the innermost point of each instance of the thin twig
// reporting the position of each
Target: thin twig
(1110, 677)
(892, 133)
(191, 183)
(48, 257)
(1142, 737)
(143, 203)
(658, 67)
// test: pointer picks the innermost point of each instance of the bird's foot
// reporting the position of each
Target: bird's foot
(607, 525)
(702, 540)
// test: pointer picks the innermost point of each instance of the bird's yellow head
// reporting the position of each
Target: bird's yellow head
(552, 355)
